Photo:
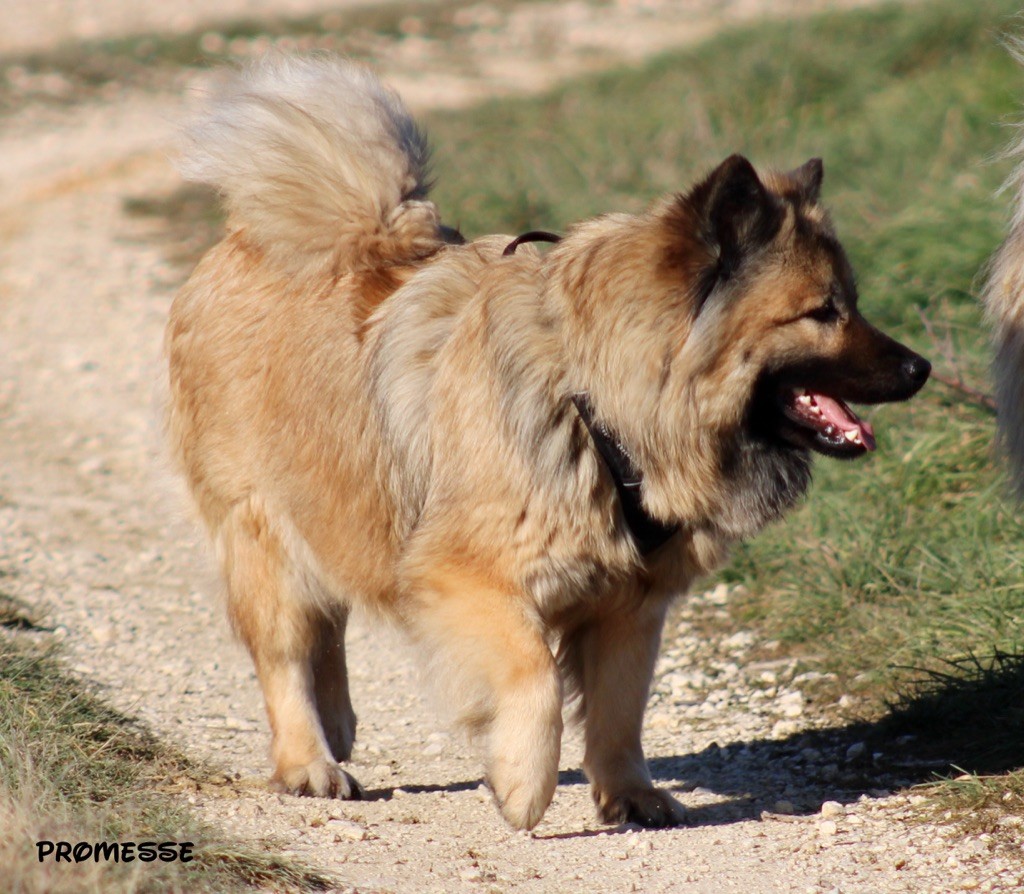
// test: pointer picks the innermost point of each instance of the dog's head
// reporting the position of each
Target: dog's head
(720, 337)
(791, 302)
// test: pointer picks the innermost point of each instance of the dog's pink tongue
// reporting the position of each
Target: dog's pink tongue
(842, 417)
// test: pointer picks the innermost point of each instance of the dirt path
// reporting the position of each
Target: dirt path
(92, 528)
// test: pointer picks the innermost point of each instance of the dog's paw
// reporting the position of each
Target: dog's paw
(523, 780)
(318, 779)
(523, 764)
(521, 804)
(652, 808)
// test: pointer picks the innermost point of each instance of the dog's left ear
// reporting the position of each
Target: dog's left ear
(719, 223)
(739, 214)
(808, 179)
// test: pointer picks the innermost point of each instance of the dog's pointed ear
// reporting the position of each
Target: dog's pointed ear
(808, 179)
(738, 213)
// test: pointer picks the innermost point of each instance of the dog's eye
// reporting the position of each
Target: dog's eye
(826, 313)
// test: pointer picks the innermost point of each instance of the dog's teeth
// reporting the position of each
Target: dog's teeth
(816, 410)
(830, 429)
(853, 436)
(805, 399)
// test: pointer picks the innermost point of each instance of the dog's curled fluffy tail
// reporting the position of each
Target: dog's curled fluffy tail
(319, 163)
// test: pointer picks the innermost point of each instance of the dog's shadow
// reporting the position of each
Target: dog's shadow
(963, 715)
(795, 775)
(966, 716)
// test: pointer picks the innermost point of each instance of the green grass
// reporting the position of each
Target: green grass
(72, 769)
(977, 700)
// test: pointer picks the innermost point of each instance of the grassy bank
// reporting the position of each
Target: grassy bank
(72, 769)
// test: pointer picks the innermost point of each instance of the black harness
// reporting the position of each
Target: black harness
(532, 236)
(647, 532)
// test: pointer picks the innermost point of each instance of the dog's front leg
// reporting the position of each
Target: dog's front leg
(614, 659)
(488, 655)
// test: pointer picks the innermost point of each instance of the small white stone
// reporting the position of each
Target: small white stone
(104, 634)
(212, 42)
(791, 704)
(660, 720)
(719, 595)
(785, 728)
(739, 641)
(831, 809)
(347, 831)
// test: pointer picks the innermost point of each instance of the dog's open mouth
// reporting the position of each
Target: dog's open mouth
(826, 424)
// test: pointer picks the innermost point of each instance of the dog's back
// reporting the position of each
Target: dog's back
(301, 385)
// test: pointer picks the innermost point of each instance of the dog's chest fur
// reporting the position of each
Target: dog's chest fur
(466, 367)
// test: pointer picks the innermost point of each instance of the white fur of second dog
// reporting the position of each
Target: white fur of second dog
(1004, 301)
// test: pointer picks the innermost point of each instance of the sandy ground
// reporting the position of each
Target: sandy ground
(41, 24)
(93, 531)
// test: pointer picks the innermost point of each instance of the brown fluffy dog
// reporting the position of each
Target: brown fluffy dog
(521, 459)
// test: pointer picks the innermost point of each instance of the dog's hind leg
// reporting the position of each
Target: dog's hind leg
(611, 661)
(492, 661)
(330, 683)
(281, 626)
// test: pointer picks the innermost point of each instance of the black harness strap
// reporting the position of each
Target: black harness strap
(532, 236)
(648, 533)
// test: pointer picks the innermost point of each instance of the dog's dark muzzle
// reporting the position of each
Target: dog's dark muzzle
(876, 369)
(872, 368)
(812, 399)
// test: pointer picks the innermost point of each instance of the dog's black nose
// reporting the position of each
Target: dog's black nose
(917, 370)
